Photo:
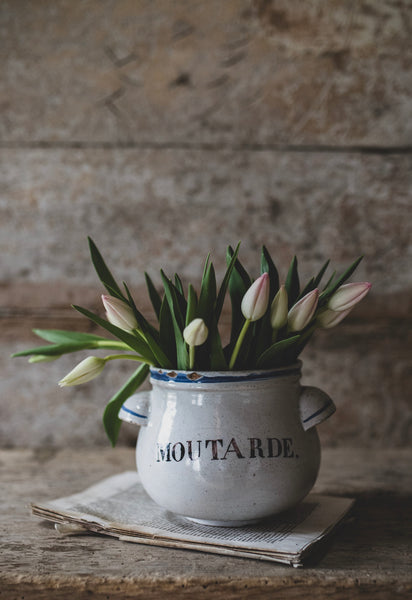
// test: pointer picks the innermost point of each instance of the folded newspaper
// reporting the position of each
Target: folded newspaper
(119, 507)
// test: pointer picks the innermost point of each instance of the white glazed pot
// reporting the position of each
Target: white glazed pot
(228, 448)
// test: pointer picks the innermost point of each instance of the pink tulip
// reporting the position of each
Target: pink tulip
(118, 313)
(302, 312)
(256, 300)
(331, 318)
(348, 295)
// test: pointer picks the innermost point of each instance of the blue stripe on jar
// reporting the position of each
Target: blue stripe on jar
(135, 414)
(318, 412)
(183, 377)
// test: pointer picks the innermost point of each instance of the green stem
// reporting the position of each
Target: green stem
(239, 344)
(274, 335)
(139, 333)
(112, 345)
(191, 357)
(128, 357)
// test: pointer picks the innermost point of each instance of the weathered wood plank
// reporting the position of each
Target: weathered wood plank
(369, 557)
(153, 209)
(235, 73)
(366, 369)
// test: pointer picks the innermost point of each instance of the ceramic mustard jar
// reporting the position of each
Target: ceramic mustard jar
(228, 448)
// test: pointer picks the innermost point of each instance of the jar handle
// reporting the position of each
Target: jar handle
(315, 406)
(136, 409)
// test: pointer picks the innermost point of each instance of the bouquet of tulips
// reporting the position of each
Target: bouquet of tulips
(270, 323)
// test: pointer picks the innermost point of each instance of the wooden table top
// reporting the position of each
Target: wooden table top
(370, 556)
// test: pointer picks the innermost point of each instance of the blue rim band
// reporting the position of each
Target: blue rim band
(184, 377)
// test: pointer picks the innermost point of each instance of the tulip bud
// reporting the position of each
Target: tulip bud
(331, 318)
(256, 299)
(118, 313)
(279, 309)
(195, 334)
(346, 296)
(86, 370)
(302, 312)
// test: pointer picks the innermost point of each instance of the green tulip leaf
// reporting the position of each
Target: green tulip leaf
(309, 287)
(271, 355)
(239, 269)
(191, 310)
(217, 357)
(154, 295)
(166, 331)
(205, 268)
(268, 266)
(262, 337)
(111, 421)
(56, 349)
(207, 296)
(144, 325)
(172, 297)
(134, 341)
(103, 272)
(59, 336)
(329, 281)
(182, 354)
(179, 285)
(225, 283)
(149, 334)
(292, 284)
(320, 275)
(334, 285)
(239, 283)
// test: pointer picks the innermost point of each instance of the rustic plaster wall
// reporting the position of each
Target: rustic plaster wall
(168, 129)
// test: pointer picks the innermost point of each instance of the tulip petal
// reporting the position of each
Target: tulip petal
(302, 312)
(256, 299)
(348, 295)
(195, 334)
(279, 309)
(331, 318)
(85, 371)
(119, 313)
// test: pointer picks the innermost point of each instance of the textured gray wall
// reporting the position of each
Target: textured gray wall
(168, 129)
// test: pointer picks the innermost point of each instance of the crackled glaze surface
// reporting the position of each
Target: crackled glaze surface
(228, 447)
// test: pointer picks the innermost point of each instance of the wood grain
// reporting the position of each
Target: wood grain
(153, 209)
(369, 556)
(168, 129)
(167, 209)
(237, 73)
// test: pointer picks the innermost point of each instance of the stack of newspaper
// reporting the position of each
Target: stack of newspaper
(119, 507)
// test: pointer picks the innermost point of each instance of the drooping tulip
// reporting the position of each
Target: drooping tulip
(256, 299)
(86, 370)
(331, 318)
(279, 309)
(346, 296)
(301, 313)
(118, 313)
(195, 334)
